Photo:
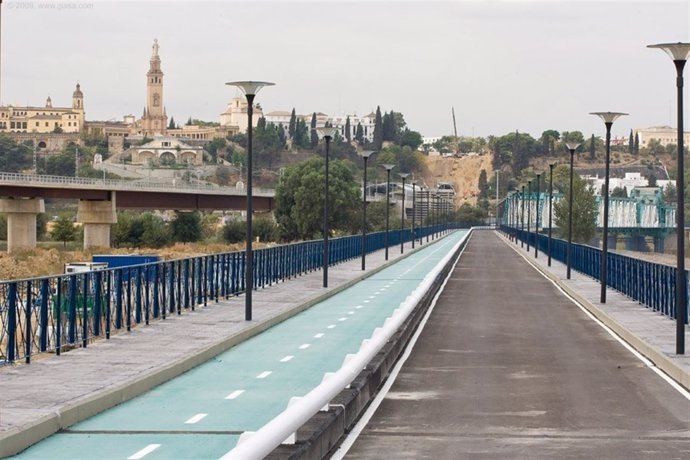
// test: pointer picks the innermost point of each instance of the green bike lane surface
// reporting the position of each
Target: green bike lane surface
(201, 413)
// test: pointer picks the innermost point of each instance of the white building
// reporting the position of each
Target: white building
(338, 121)
(664, 134)
(630, 181)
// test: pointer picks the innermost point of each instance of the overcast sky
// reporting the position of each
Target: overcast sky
(503, 65)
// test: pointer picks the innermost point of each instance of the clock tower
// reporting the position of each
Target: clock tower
(154, 120)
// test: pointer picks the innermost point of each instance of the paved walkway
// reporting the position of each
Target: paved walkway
(53, 392)
(509, 367)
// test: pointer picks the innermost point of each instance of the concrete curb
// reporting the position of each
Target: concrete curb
(660, 359)
(19, 439)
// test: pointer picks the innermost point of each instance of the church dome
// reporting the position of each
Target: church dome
(77, 92)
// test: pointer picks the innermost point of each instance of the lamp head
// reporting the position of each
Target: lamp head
(403, 175)
(367, 153)
(250, 88)
(326, 132)
(676, 51)
(388, 166)
(608, 117)
(572, 146)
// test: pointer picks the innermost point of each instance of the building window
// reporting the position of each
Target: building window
(12, 125)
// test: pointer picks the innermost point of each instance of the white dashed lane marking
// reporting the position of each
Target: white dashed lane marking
(196, 419)
(234, 394)
(332, 326)
(264, 374)
(144, 452)
(319, 335)
(304, 346)
(286, 359)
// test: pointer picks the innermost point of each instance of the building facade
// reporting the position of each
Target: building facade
(236, 117)
(46, 119)
(664, 134)
(167, 150)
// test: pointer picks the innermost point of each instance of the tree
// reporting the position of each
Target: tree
(348, 129)
(314, 138)
(413, 139)
(235, 231)
(651, 179)
(388, 127)
(63, 163)
(301, 137)
(482, 184)
(670, 195)
(293, 124)
(584, 207)
(300, 195)
(222, 175)
(172, 124)
(592, 148)
(619, 192)
(14, 157)
(378, 130)
(63, 230)
(216, 144)
(468, 215)
(189, 122)
(359, 134)
(636, 147)
(140, 230)
(186, 227)
(631, 143)
(548, 140)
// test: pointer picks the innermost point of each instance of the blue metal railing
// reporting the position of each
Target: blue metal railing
(651, 284)
(58, 313)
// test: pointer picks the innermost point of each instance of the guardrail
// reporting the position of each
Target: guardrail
(58, 313)
(651, 284)
(110, 184)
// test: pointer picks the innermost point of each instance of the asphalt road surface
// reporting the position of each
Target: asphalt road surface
(508, 367)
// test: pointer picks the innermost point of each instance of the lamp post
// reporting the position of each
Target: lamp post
(365, 155)
(250, 89)
(536, 224)
(402, 214)
(551, 166)
(679, 52)
(428, 212)
(609, 118)
(529, 211)
(572, 146)
(388, 168)
(522, 218)
(414, 209)
(497, 182)
(326, 133)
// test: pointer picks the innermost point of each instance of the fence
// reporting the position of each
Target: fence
(649, 283)
(58, 313)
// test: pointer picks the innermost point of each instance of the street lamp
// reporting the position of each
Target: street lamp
(522, 218)
(250, 89)
(365, 155)
(529, 211)
(497, 182)
(609, 118)
(428, 213)
(551, 166)
(679, 52)
(536, 224)
(388, 168)
(326, 133)
(572, 146)
(414, 209)
(402, 214)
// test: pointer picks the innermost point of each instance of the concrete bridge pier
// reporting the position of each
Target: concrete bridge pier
(21, 221)
(96, 218)
(659, 244)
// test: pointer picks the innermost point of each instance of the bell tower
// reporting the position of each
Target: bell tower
(155, 120)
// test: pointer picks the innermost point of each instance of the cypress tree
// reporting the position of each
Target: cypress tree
(171, 125)
(359, 134)
(314, 138)
(637, 144)
(293, 124)
(631, 143)
(378, 130)
(592, 148)
(348, 129)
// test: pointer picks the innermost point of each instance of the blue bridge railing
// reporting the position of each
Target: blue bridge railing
(651, 284)
(59, 313)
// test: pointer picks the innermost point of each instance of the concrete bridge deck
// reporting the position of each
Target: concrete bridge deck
(508, 367)
(55, 392)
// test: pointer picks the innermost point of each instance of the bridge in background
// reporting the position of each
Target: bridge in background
(23, 195)
(636, 218)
